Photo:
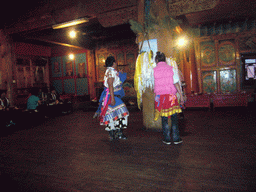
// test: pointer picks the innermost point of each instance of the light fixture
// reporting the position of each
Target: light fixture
(182, 42)
(70, 23)
(71, 56)
(72, 34)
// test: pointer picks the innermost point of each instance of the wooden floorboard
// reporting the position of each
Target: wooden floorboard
(72, 153)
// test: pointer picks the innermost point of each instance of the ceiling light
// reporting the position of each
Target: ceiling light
(70, 23)
(72, 34)
(71, 56)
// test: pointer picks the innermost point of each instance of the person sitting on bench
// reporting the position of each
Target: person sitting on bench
(33, 101)
(7, 113)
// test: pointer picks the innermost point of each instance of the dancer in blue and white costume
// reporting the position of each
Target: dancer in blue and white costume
(113, 112)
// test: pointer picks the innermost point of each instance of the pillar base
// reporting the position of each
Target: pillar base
(148, 104)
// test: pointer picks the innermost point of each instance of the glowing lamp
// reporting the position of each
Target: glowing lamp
(71, 56)
(182, 42)
(72, 34)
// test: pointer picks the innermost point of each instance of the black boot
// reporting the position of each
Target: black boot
(121, 135)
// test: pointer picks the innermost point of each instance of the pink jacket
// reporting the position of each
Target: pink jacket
(163, 75)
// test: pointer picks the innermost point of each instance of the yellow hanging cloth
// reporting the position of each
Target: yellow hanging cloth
(137, 79)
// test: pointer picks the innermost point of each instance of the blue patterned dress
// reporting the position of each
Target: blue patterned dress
(118, 112)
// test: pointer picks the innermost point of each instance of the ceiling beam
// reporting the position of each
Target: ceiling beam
(57, 43)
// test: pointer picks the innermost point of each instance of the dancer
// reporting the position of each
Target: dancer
(113, 111)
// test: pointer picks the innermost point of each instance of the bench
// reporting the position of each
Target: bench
(195, 100)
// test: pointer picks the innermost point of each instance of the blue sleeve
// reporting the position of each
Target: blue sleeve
(122, 76)
(103, 94)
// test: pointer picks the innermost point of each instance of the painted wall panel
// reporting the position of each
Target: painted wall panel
(56, 66)
(228, 80)
(68, 66)
(69, 86)
(81, 65)
(208, 54)
(209, 81)
(70, 76)
(57, 84)
(82, 86)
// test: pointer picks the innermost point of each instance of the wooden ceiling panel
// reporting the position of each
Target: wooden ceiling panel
(225, 10)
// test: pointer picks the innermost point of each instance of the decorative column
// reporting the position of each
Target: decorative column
(7, 62)
(164, 44)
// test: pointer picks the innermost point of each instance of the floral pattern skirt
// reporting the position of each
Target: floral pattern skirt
(113, 113)
(166, 105)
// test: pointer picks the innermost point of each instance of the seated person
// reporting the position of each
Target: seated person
(6, 113)
(53, 97)
(42, 94)
(4, 101)
(35, 104)
(33, 101)
(56, 103)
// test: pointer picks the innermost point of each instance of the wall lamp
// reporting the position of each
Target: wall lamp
(70, 23)
(182, 41)
(71, 56)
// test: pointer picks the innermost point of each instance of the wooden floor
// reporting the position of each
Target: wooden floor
(72, 153)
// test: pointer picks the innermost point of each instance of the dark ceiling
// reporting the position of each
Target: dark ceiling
(87, 35)
(93, 31)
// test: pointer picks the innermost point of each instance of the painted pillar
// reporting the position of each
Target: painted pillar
(188, 67)
(193, 69)
(91, 72)
(7, 62)
(186, 70)
(164, 44)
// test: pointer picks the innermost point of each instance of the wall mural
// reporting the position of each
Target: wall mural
(228, 80)
(126, 63)
(56, 67)
(120, 59)
(81, 70)
(74, 78)
(69, 68)
(226, 53)
(209, 81)
(248, 26)
(208, 54)
(226, 57)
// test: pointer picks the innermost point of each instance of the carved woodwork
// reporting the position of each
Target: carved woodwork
(181, 7)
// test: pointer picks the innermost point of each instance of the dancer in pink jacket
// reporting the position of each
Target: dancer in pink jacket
(166, 102)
